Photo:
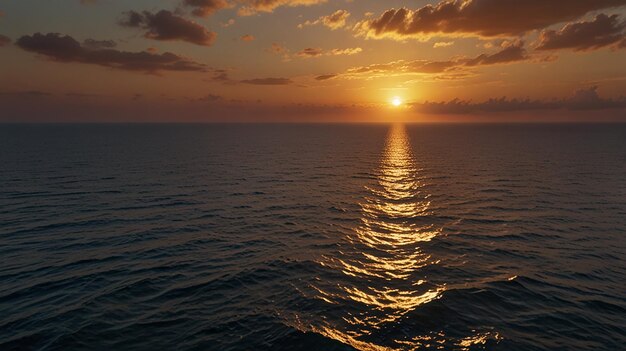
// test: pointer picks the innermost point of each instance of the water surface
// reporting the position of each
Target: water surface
(313, 237)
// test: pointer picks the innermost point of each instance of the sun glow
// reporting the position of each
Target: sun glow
(396, 101)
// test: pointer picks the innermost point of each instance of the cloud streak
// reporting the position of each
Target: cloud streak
(583, 99)
(252, 7)
(510, 53)
(268, 81)
(63, 48)
(317, 52)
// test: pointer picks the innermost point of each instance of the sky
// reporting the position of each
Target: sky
(312, 60)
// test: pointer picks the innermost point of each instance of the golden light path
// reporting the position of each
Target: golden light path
(386, 257)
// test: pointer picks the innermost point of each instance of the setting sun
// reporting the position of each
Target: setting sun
(396, 101)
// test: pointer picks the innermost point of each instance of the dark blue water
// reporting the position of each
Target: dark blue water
(312, 237)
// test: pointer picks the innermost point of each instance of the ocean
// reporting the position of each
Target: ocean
(313, 237)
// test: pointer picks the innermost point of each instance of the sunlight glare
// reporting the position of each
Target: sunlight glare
(396, 101)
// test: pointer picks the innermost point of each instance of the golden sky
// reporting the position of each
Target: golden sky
(312, 60)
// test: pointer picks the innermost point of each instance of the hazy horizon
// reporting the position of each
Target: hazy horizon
(329, 60)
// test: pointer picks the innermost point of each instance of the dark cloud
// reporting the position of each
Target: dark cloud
(247, 37)
(165, 25)
(602, 31)
(487, 18)
(99, 44)
(63, 48)
(326, 77)
(510, 53)
(209, 98)
(28, 94)
(268, 81)
(584, 99)
(310, 52)
(4, 40)
(204, 8)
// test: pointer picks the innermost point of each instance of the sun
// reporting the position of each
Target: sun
(396, 101)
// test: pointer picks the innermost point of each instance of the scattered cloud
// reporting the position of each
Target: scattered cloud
(601, 32)
(205, 8)
(326, 77)
(317, 52)
(333, 21)
(247, 37)
(310, 52)
(210, 98)
(584, 99)
(509, 53)
(268, 81)
(63, 48)
(277, 49)
(484, 18)
(443, 44)
(165, 25)
(26, 94)
(99, 44)
(348, 51)
(252, 7)
(4, 40)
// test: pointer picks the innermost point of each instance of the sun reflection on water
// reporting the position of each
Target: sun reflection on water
(384, 263)
(386, 256)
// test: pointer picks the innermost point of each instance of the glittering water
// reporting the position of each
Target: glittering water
(313, 237)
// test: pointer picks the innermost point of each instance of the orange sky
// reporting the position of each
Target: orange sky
(312, 60)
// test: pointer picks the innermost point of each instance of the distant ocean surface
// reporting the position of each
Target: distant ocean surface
(313, 237)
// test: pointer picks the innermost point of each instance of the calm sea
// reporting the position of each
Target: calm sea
(313, 237)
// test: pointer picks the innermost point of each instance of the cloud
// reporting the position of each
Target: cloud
(443, 44)
(348, 51)
(268, 81)
(247, 37)
(326, 77)
(205, 8)
(602, 31)
(333, 21)
(485, 18)
(278, 49)
(584, 99)
(317, 52)
(99, 44)
(310, 52)
(511, 52)
(63, 48)
(26, 94)
(164, 25)
(210, 98)
(252, 7)
(4, 40)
